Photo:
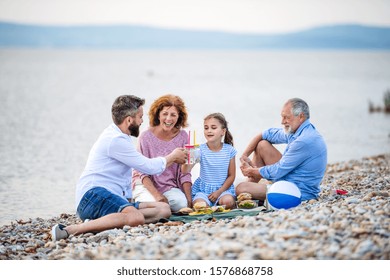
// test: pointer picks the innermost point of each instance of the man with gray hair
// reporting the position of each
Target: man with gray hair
(303, 161)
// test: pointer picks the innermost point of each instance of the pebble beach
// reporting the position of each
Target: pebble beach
(351, 226)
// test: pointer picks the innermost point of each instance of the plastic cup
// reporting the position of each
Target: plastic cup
(193, 153)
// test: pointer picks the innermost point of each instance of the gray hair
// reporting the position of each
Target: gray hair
(299, 106)
(124, 106)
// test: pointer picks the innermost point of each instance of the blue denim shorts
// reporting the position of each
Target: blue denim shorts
(98, 202)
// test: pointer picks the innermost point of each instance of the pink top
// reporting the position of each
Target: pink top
(151, 146)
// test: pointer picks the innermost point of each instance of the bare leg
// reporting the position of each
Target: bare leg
(154, 211)
(265, 154)
(149, 212)
(129, 216)
(228, 201)
(257, 190)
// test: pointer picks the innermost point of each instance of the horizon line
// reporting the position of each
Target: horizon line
(151, 26)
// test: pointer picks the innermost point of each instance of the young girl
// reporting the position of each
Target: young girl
(217, 165)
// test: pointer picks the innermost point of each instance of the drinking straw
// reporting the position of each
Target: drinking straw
(189, 143)
(194, 138)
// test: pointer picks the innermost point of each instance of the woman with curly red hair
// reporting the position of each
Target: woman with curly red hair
(167, 118)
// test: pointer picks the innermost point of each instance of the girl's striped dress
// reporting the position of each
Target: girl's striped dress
(213, 169)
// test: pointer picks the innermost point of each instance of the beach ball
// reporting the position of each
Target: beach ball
(283, 195)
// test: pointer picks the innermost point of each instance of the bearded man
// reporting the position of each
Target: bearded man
(303, 161)
(104, 190)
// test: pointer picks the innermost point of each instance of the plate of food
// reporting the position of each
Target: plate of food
(184, 211)
(245, 201)
(201, 208)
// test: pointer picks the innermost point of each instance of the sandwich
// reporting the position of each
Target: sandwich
(247, 204)
(200, 206)
(244, 196)
(185, 210)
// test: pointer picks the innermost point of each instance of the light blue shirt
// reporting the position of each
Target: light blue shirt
(110, 163)
(303, 161)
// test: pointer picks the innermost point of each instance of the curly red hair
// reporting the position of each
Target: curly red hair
(168, 100)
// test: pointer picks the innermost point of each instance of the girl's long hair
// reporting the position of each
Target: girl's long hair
(221, 118)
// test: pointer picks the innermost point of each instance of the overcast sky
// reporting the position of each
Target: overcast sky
(226, 15)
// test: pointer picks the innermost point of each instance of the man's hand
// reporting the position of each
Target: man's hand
(251, 172)
(246, 161)
(178, 155)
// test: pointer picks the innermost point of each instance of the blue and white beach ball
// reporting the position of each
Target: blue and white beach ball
(283, 195)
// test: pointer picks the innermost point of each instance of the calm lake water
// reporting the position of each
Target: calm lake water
(55, 103)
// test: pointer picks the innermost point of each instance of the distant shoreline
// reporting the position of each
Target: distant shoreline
(332, 37)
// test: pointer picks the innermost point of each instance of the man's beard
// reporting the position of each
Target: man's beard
(288, 130)
(134, 129)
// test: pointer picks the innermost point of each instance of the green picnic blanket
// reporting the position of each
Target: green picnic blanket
(226, 215)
